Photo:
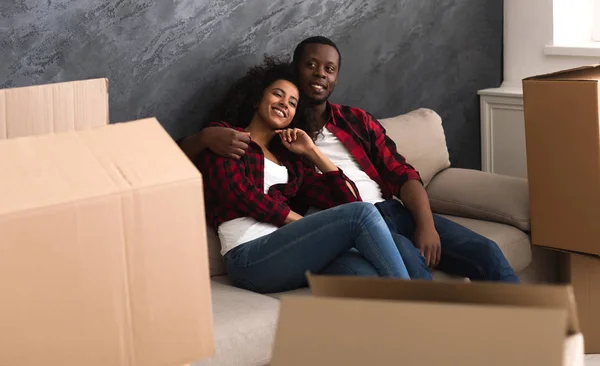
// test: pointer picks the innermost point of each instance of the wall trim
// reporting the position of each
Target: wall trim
(491, 100)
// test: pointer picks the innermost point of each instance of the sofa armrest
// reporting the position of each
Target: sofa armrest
(480, 195)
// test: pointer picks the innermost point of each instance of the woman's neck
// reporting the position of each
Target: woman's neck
(260, 133)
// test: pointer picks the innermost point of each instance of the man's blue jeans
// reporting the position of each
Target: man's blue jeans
(319, 243)
(464, 252)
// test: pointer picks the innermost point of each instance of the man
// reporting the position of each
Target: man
(356, 142)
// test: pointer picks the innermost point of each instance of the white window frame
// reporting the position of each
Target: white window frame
(596, 22)
(586, 38)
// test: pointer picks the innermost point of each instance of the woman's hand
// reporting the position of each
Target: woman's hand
(296, 140)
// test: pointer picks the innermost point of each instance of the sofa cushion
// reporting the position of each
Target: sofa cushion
(420, 138)
(481, 195)
(513, 242)
(215, 259)
(244, 326)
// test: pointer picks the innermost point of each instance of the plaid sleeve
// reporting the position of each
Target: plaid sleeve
(230, 184)
(325, 190)
(219, 124)
(391, 166)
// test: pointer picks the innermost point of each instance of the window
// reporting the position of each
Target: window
(576, 28)
(596, 21)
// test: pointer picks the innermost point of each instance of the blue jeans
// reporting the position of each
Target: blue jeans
(464, 252)
(318, 243)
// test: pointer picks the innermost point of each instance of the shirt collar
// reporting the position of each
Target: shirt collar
(329, 111)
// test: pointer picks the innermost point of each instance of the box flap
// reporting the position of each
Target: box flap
(584, 73)
(59, 107)
(322, 331)
(477, 293)
(44, 170)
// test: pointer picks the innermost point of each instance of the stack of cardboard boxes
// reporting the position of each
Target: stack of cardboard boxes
(562, 125)
(103, 257)
(353, 321)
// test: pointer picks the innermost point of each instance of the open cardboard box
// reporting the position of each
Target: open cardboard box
(103, 256)
(355, 321)
(51, 108)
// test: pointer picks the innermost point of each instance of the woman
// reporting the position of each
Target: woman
(267, 246)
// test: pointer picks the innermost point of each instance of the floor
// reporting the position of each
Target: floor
(592, 360)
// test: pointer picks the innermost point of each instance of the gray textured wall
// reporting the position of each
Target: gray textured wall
(173, 58)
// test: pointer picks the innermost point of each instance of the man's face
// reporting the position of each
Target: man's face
(318, 70)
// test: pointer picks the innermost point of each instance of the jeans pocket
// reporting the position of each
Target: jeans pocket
(237, 257)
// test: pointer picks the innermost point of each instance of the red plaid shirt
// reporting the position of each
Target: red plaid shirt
(235, 188)
(366, 140)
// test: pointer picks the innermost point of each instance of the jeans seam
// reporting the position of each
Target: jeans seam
(377, 253)
(467, 260)
(273, 253)
(349, 269)
(245, 284)
(375, 248)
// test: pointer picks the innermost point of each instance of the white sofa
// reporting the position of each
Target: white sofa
(492, 205)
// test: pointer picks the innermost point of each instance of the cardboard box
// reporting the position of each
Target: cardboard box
(60, 107)
(562, 126)
(375, 321)
(103, 256)
(583, 272)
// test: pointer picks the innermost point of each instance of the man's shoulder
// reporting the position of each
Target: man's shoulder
(346, 110)
(350, 114)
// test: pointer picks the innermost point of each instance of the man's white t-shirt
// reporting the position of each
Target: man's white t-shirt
(339, 155)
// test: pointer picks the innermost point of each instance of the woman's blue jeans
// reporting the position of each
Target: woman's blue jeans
(339, 240)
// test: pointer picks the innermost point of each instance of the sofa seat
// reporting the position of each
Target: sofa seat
(514, 243)
(244, 325)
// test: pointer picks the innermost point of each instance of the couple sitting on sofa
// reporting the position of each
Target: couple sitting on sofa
(279, 150)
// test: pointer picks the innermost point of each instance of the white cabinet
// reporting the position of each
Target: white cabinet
(503, 132)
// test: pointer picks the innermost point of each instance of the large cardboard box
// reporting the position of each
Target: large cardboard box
(374, 321)
(562, 126)
(59, 107)
(583, 272)
(103, 257)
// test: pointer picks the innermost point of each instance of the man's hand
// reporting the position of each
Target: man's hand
(292, 217)
(296, 140)
(226, 142)
(428, 241)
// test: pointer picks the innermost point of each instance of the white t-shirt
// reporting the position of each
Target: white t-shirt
(333, 148)
(244, 229)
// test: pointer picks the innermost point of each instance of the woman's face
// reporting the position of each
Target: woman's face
(278, 104)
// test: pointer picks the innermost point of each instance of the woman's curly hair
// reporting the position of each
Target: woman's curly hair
(241, 100)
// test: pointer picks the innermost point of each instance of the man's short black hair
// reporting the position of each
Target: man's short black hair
(312, 40)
